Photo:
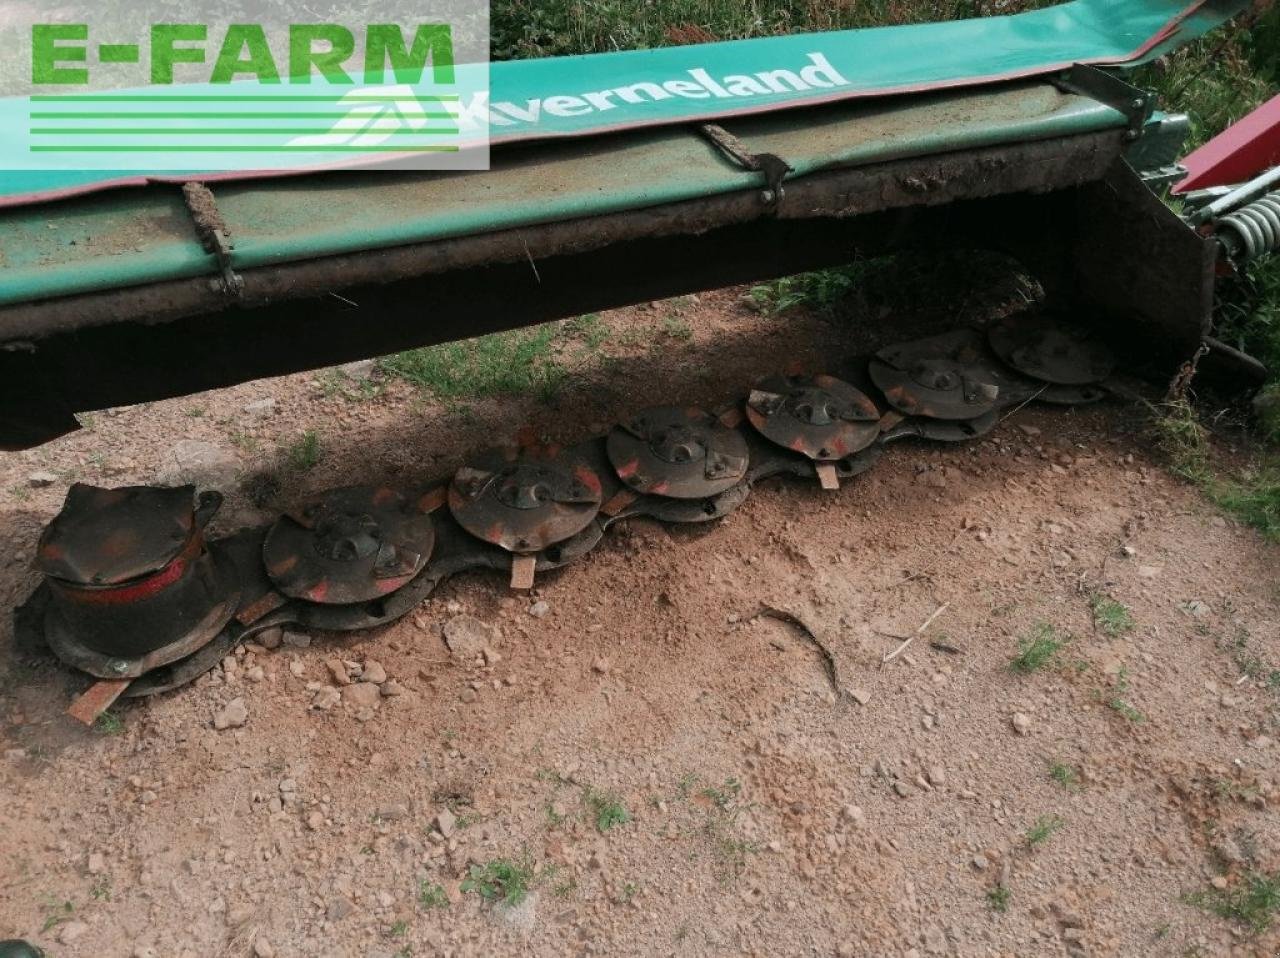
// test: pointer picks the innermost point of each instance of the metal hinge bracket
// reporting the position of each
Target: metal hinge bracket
(214, 235)
(774, 168)
(1136, 104)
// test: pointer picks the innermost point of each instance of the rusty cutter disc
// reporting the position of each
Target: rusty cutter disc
(525, 499)
(681, 452)
(942, 376)
(1050, 350)
(349, 545)
(821, 417)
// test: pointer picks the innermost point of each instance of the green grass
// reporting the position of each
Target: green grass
(1038, 650)
(304, 452)
(723, 795)
(1253, 903)
(503, 364)
(590, 328)
(607, 810)
(677, 329)
(431, 895)
(998, 898)
(1110, 616)
(819, 290)
(1252, 495)
(500, 880)
(1119, 704)
(108, 723)
(55, 913)
(538, 28)
(1065, 775)
(1043, 830)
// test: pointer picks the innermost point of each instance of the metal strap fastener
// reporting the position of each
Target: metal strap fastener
(213, 233)
(1136, 104)
(773, 167)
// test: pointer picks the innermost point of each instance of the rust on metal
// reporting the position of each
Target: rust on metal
(525, 499)
(1051, 351)
(349, 545)
(97, 699)
(132, 584)
(106, 537)
(523, 570)
(820, 416)
(943, 377)
(681, 452)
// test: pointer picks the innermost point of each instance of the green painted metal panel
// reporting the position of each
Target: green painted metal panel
(132, 237)
(551, 98)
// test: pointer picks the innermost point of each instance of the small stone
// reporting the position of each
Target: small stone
(41, 480)
(233, 715)
(338, 672)
(262, 949)
(861, 696)
(1028, 429)
(600, 665)
(391, 688)
(97, 863)
(1128, 551)
(1021, 723)
(446, 822)
(979, 862)
(147, 797)
(297, 669)
(359, 370)
(1219, 882)
(297, 640)
(1197, 608)
(361, 695)
(539, 609)
(468, 696)
(315, 821)
(270, 638)
(854, 814)
(70, 931)
(255, 674)
(373, 672)
(325, 699)
(467, 637)
(339, 908)
(393, 813)
(937, 776)
(902, 789)
(239, 915)
(491, 657)
(203, 464)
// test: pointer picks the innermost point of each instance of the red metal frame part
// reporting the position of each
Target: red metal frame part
(1238, 153)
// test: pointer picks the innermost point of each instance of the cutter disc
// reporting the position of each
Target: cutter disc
(821, 417)
(68, 647)
(949, 430)
(1072, 395)
(942, 376)
(681, 452)
(350, 545)
(525, 499)
(1051, 350)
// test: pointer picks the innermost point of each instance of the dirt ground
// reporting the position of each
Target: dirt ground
(939, 804)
